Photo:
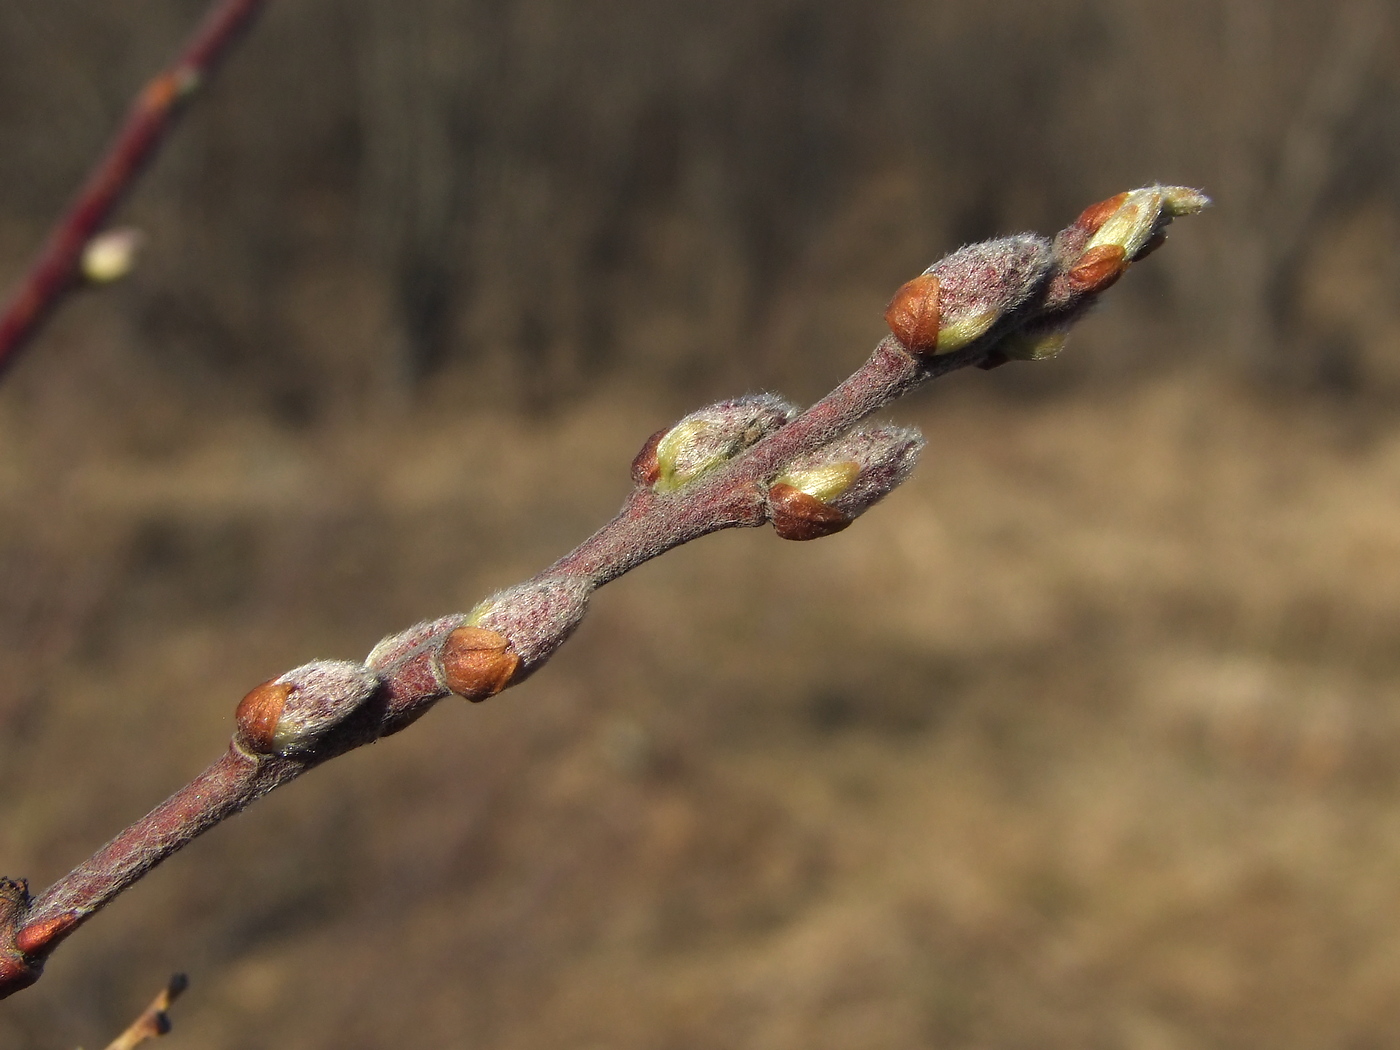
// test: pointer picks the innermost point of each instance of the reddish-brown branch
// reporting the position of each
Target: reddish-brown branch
(57, 268)
(985, 304)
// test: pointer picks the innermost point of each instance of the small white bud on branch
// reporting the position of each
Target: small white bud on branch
(111, 255)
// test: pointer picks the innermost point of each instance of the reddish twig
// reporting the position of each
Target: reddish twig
(738, 463)
(58, 267)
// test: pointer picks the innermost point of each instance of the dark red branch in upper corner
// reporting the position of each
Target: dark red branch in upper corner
(56, 269)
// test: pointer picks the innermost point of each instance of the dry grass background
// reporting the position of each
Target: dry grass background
(1086, 738)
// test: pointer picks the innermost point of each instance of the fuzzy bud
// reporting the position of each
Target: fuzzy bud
(1110, 236)
(824, 491)
(706, 439)
(289, 715)
(533, 618)
(111, 255)
(395, 648)
(1034, 342)
(978, 287)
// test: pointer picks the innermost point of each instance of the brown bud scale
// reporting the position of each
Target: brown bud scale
(799, 516)
(16, 974)
(645, 469)
(477, 663)
(1095, 215)
(1098, 268)
(40, 937)
(258, 714)
(16, 971)
(914, 314)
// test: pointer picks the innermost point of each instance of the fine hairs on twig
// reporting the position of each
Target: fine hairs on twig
(744, 462)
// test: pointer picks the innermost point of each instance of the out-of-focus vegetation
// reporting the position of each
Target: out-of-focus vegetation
(1087, 738)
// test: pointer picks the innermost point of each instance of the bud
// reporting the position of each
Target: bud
(798, 515)
(977, 287)
(1034, 342)
(290, 715)
(1109, 236)
(533, 618)
(17, 970)
(914, 314)
(396, 647)
(705, 439)
(110, 256)
(1129, 226)
(38, 938)
(477, 663)
(824, 491)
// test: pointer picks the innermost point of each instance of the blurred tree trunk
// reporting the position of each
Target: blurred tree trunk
(416, 79)
(1278, 189)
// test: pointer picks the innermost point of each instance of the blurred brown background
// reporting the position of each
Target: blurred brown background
(1088, 738)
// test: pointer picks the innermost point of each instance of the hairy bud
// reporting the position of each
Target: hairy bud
(111, 255)
(975, 289)
(534, 619)
(1108, 237)
(289, 715)
(705, 439)
(1141, 214)
(824, 491)
(1034, 342)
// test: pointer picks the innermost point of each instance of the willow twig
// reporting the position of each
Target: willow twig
(745, 462)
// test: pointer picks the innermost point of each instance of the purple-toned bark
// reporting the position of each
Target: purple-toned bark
(744, 462)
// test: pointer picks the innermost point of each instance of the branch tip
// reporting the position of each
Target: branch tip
(154, 1021)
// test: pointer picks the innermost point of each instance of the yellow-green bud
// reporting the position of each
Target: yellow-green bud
(111, 255)
(982, 285)
(825, 481)
(1142, 214)
(706, 439)
(822, 492)
(1030, 345)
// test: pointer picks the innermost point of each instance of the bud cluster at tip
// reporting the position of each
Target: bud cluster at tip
(822, 492)
(704, 440)
(1108, 237)
(290, 715)
(1021, 295)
